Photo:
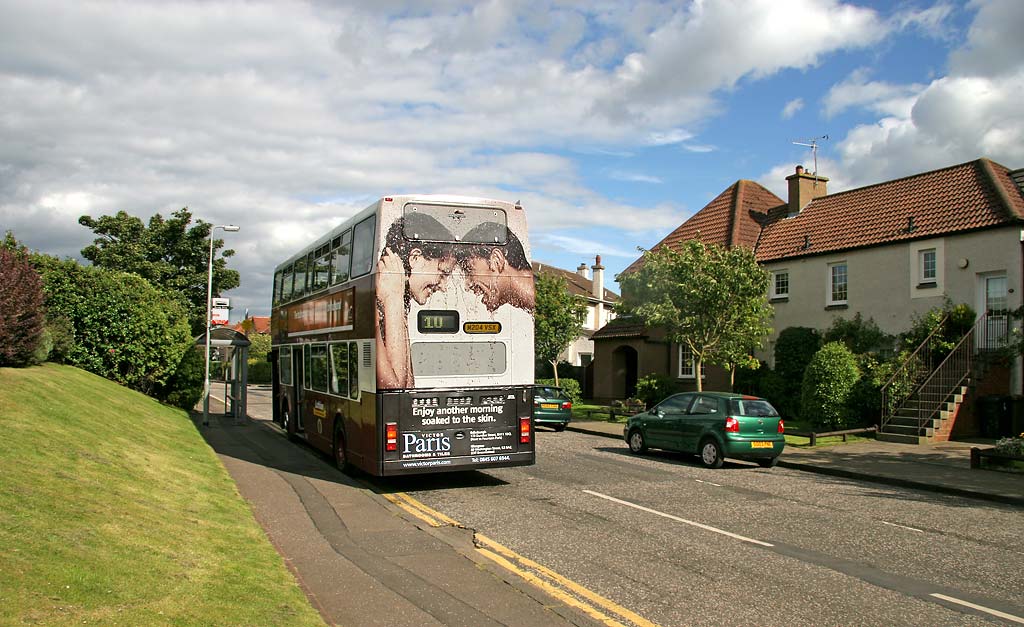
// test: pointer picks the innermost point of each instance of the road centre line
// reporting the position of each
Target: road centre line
(678, 519)
(542, 577)
(901, 526)
(980, 608)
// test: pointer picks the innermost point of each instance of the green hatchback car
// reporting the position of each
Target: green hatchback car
(711, 425)
(551, 407)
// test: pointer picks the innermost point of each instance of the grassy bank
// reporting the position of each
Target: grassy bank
(113, 511)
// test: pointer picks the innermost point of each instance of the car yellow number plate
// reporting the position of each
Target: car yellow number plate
(549, 405)
(761, 445)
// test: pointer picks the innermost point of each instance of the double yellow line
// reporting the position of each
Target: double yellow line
(569, 592)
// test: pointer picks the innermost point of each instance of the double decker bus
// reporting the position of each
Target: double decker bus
(403, 338)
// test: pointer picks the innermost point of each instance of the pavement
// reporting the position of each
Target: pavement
(944, 467)
(366, 557)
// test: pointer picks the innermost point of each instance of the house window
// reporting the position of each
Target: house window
(927, 265)
(687, 364)
(780, 284)
(837, 283)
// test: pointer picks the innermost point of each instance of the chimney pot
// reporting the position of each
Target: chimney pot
(799, 169)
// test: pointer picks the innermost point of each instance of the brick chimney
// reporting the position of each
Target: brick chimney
(583, 271)
(803, 188)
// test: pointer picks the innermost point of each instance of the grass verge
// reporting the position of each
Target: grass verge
(114, 511)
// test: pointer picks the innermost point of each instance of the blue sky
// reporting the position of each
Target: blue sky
(612, 121)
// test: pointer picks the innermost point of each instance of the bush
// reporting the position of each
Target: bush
(125, 329)
(571, 387)
(654, 388)
(865, 400)
(793, 351)
(21, 309)
(955, 321)
(260, 371)
(185, 387)
(828, 381)
(860, 336)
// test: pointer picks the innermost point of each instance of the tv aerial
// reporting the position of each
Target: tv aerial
(813, 145)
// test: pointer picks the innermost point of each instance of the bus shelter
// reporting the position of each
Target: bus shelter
(229, 354)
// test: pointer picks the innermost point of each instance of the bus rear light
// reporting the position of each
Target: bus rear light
(391, 436)
(524, 430)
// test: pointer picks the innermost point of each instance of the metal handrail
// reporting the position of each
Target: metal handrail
(934, 391)
(921, 355)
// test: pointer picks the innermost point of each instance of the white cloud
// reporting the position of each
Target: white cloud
(255, 112)
(630, 177)
(972, 112)
(792, 108)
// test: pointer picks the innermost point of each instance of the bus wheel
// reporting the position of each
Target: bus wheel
(340, 451)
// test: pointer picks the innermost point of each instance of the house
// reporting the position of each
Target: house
(887, 251)
(260, 324)
(600, 303)
(625, 350)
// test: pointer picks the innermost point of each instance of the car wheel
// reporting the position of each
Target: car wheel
(559, 427)
(637, 444)
(711, 454)
(768, 462)
(340, 451)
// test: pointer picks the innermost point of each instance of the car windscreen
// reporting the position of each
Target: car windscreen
(752, 407)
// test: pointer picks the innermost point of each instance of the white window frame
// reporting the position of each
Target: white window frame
(773, 286)
(922, 265)
(829, 286)
(688, 358)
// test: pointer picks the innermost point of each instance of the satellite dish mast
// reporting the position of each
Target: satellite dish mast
(813, 145)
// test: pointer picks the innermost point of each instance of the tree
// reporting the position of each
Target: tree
(125, 329)
(712, 299)
(168, 253)
(828, 382)
(558, 318)
(21, 305)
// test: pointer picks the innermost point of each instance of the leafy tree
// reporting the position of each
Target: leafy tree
(21, 306)
(558, 318)
(712, 299)
(167, 252)
(125, 329)
(828, 382)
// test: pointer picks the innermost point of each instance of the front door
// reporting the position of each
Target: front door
(664, 426)
(300, 363)
(996, 309)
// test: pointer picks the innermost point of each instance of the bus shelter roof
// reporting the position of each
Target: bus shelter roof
(223, 336)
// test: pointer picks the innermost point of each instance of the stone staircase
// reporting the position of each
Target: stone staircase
(906, 426)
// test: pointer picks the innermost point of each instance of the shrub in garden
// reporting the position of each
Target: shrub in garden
(653, 388)
(571, 387)
(21, 309)
(185, 387)
(860, 336)
(793, 351)
(828, 381)
(125, 329)
(260, 371)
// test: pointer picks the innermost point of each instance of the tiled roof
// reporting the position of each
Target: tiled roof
(261, 324)
(578, 284)
(734, 218)
(970, 196)
(620, 327)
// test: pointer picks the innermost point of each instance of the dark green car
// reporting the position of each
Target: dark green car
(711, 425)
(551, 407)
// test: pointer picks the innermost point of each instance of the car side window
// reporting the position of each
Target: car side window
(705, 405)
(675, 404)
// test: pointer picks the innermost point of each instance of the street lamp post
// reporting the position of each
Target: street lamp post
(231, 228)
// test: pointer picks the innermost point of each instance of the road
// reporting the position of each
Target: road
(681, 545)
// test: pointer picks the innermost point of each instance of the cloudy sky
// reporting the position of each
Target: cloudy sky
(612, 121)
